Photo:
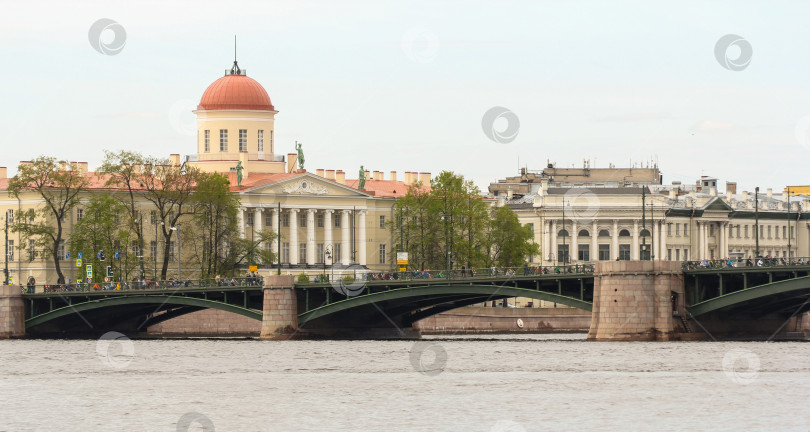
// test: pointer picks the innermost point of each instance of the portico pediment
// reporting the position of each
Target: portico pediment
(307, 184)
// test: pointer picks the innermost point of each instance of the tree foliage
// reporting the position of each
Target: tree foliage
(60, 187)
(449, 224)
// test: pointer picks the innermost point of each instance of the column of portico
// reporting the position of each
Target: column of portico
(553, 248)
(594, 242)
(327, 235)
(574, 251)
(547, 239)
(277, 229)
(240, 217)
(663, 241)
(311, 236)
(345, 241)
(634, 255)
(700, 240)
(293, 236)
(614, 247)
(361, 238)
(724, 235)
(258, 221)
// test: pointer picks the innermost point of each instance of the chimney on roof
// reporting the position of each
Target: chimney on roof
(340, 177)
(408, 178)
(74, 166)
(784, 197)
(378, 175)
(62, 165)
(731, 188)
(82, 166)
(292, 162)
(368, 175)
(319, 172)
(393, 176)
(3, 172)
(673, 194)
(425, 178)
(330, 174)
(770, 192)
(174, 159)
(745, 195)
(713, 191)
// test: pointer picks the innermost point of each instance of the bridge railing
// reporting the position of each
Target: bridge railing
(136, 285)
(494, 272)
(745, 262)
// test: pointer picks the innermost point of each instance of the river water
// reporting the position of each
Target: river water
(484, 383)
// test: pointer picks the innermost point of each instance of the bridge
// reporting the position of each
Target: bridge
(628, 300)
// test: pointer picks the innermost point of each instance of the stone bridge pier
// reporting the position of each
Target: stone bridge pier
(637, 301)
(279, 308)
(12, 312)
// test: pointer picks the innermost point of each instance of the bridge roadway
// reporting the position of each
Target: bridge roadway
(714, 293)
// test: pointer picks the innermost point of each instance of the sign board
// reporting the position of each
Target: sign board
(79, 255)
(402, 256)
(402, 269)
(67, 256)
(253, 268)
(78, 262)
(89, 269)
(399, 262)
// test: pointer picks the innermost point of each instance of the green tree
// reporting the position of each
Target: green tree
(509, 243)
(59, 187)
(122, 170)
(102, 228)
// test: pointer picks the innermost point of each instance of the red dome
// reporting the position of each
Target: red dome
(235, 92)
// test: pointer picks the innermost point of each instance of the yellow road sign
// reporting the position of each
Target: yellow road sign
(253, 268)
(89, 269)
(78, 262)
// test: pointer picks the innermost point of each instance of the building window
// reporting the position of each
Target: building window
(776, 233)
(677, 254)
(686, 254)
(769, 231)
(336, 252)
(153, 217)
(285, 220)
(791, 232)
(134, 247)
(685, 229)
(223, 140)
(153, 248)
(562, 253)
(303, 220)
(604, 252)
(285, 252)
(784, 231)
(260, 135)
(207, 140)
(10, 215)
(337, 221)
(711, 253)
(320, 256)
(320, 220)
(10, 246)
(669, 254)
(624, 252)
(678, 229)
(761, 232)
(31, 251)
(268, 219)
(302, 253)
(250, 218)
(382, 221)
(61, 250)
(711, 229)
(738, 230)
(271, 140)
(583, 252)
(746, 231)
(604, 233)
(79, 214)
(171, 250)
(243, 140)
(669, 229)
(382, 254)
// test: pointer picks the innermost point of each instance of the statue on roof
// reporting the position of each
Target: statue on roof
(361, 183)
(238, 170)
(298, 146)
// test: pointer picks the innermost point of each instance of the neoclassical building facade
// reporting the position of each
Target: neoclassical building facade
(596, 214)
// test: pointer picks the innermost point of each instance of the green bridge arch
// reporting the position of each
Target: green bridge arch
(139, 300)
(787, 289)
(439, 292)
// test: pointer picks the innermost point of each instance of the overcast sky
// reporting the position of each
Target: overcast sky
(405, 85)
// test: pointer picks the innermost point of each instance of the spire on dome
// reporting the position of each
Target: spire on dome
(235, 70)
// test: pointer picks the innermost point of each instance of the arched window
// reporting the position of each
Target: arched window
(584, 233)
(624, 233)
(562, 233)
(644, 233)
(604, 233)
